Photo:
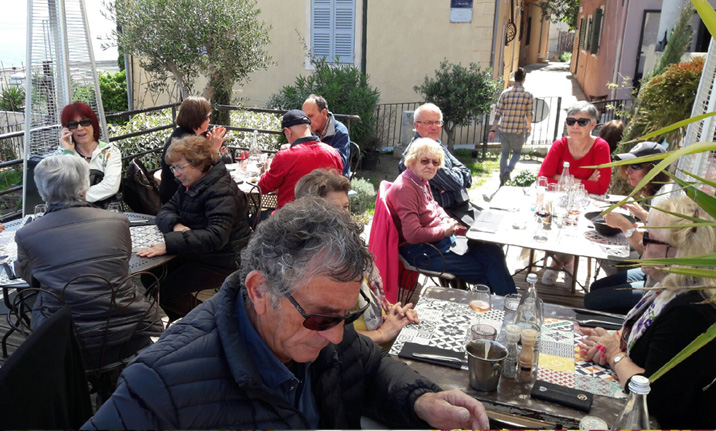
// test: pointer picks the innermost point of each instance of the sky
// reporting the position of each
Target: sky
(13, 28)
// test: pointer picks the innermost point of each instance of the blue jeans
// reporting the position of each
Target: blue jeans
(483, 263)
(510, 142)
(604, 296)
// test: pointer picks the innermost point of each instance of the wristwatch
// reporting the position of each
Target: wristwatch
(617, 358)
(629, 232)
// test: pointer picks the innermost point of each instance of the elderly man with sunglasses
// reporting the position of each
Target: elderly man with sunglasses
(274, 350)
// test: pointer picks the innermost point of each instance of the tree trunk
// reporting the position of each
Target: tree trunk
(450, 130)
(222, 96)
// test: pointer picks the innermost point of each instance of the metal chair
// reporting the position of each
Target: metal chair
(354, 159)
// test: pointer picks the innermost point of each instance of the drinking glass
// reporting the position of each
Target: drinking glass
(480, 298)
(114, 207)
(483, 331)
(578, 200)
(40, 210)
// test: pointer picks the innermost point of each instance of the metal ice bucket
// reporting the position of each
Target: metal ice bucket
(484, 362)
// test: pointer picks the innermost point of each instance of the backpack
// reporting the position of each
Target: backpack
(140, 190)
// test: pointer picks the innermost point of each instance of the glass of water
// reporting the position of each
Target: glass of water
(40, 210)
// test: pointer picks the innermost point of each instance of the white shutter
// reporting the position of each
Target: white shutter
(702, 164)
(333, 30)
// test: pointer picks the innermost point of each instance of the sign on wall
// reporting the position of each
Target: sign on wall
(460, 10)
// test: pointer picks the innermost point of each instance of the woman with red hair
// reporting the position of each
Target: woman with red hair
(80, 138)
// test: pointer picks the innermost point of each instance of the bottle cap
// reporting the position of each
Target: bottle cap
(512, 332)
(532, 278)
(639, 385)
(566, 164)
(529, 335)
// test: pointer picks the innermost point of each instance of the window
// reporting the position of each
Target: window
(333, 30)
(582, 32)
(596, 31)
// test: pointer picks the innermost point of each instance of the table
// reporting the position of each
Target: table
(445, 319)
(511, 205)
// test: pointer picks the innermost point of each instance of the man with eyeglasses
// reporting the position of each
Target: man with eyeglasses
(304, 154)
(274, 348)
(513, 116)
(328, 129)
(450, 184)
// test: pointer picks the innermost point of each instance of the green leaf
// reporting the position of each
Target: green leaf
(707, 14)
(687, 351)
(705, 201)
(674, 126)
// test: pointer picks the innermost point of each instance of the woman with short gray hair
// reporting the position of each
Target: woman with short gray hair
(73, 238)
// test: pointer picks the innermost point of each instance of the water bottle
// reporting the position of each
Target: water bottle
(529, 313)
(635, 414)
(565, 180)
(509, 366)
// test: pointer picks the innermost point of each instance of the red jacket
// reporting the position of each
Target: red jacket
(288, 166)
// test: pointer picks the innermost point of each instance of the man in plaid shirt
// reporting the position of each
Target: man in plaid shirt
(514, 115)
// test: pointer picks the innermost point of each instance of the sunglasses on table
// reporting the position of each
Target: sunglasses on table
(646, 240)
(581, 121)
(426, 162)
(72, 125)
(324, 322)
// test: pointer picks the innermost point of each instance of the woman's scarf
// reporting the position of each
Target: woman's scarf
(643, 314)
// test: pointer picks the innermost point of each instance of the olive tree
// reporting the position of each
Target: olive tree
(462, 93)
(223, 40)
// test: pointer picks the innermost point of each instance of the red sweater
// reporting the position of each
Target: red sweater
(288, 166)
(597, 155)
(415, 213)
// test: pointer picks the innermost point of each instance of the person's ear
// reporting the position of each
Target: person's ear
(260, 300)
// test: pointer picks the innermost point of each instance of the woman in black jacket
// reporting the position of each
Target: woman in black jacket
(205, 223)
(192, 120)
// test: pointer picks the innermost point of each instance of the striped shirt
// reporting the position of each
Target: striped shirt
(515, 109)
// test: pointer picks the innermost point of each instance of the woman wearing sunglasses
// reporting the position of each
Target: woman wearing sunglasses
(426, 232)
(665, 320)
(614, 293)
(580, 149)
(192, 120)
(80, 138)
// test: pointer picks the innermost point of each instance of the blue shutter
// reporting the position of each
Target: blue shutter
(333, 30)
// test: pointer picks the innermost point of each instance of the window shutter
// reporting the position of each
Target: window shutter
(582, 32)
(596, 30)
(344, 31)
(321, 28)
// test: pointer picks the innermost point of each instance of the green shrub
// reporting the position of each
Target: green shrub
(255, 120)
(146, 142)
(565, 56)
(113, 87)
(523, 179)
(347, 91)
(12, 99)
(366, 195)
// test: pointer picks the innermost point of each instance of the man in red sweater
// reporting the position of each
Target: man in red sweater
(306, 153)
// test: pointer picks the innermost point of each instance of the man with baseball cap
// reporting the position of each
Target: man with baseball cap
(305, 154)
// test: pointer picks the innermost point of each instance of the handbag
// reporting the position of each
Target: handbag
(140, 190)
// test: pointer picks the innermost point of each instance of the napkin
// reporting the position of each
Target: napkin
(409, 348)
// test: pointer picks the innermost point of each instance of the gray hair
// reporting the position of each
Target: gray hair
(62, 179)
(304, 239)
(583, 107)
(426, 107)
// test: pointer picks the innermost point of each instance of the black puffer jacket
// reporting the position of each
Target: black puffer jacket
(200, 375)
(170, 184)
(216, 211)
(79, 240)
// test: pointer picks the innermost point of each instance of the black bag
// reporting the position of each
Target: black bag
(140, 191)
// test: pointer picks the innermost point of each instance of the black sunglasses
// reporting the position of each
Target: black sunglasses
(645, 240)
(85, 122)
(581, 121)
(637, 166)
(323, 322)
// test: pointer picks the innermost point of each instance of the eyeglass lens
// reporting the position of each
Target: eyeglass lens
(432, 123)
(85, 122)
(426, 162)
(581, 121)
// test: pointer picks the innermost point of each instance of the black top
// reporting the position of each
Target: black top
(676, 400)
(169, 185)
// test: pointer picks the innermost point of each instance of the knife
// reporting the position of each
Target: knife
(438, 357)
(588, 322)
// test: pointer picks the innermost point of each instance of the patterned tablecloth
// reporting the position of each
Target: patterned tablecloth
(446, 325)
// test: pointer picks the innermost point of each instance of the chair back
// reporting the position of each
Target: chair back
(49, 359)
(383, 243)
(254, 201)
(354, 159)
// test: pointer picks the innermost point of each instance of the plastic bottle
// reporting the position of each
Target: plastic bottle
(635, 414)
(529, 313)
(527, 364)
(512, 336)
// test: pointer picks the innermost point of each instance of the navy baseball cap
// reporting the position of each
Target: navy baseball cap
(294, 117)
(640, 150)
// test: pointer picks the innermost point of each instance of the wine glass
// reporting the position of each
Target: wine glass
(480, 298)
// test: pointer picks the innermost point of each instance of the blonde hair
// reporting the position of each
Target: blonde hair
(688, 240)
(424, 147)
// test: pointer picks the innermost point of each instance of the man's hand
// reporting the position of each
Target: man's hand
(491, 137)
(450, 410)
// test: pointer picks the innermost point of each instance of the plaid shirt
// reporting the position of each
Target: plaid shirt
(515, 109)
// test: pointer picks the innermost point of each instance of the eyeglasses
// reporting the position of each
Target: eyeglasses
(178, 168)
(85, 122)
(637, 166)
(426, 162)
(324, 322)
(646, 240)
(431, 123)
(581, 121)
